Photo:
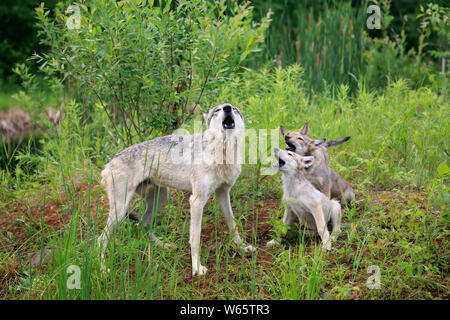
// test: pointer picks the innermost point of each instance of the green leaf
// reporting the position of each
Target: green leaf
(443, 170)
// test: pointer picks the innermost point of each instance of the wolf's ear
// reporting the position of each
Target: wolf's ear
(307, 161)
(305, 129)
(318, 142)
(283, 131)
(240, 113)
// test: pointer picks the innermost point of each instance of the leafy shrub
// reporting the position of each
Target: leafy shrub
(150, 67)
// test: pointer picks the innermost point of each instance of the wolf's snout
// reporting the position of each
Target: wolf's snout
(276, 153)
(290, 146)
(227, 109)
(228, 122)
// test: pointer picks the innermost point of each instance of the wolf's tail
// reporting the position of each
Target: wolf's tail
(337, 142)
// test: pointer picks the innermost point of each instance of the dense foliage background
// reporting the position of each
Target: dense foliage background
(286, 39)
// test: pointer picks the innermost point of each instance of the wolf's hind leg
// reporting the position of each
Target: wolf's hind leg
(336, 217)
(321, 226)
(119, 195)
(156, 198)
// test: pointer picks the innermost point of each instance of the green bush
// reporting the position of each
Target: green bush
(150, 67)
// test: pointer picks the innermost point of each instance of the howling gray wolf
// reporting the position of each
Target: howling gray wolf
(312, 208)
(201, 163)
(320, 175)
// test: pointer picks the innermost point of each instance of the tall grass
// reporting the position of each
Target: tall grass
(325, 38)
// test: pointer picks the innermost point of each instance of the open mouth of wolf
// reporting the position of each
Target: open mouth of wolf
(290, 146)
(228, 122)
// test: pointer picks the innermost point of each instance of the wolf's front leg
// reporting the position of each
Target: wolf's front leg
(197, 202)
(321, 225)
(223, 195)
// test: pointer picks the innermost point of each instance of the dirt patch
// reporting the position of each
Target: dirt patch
(86, 196)
(19, 221)
(260, 217)
(22, 220)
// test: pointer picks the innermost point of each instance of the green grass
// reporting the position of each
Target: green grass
(322, 36)
(399, 139)
(394, 232)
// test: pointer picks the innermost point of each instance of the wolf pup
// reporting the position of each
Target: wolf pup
(192, 163)
(321, 175)
(312, 208)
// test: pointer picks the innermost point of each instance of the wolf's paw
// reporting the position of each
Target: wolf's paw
(162, 244)
(327, 245)
(169, 246)
(248, 249)
(272, 243)
(200, 271)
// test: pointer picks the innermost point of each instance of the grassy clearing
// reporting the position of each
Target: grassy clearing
(399, 140)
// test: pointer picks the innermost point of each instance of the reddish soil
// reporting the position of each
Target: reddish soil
(54, 215)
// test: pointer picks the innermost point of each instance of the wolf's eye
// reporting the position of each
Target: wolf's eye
(300, 138)
(234, 108)
(217, 110)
